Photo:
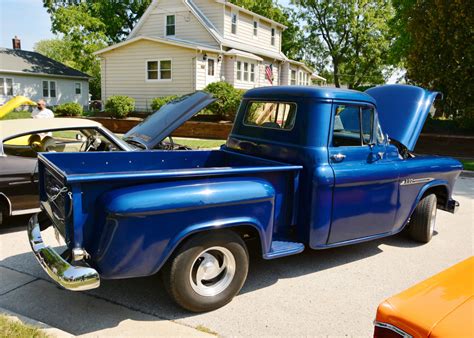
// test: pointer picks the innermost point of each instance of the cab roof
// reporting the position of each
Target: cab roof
(324, 93)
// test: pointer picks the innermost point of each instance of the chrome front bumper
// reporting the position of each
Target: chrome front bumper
(70, 277)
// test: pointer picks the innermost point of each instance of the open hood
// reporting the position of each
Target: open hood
(167, 119)
(403, 110)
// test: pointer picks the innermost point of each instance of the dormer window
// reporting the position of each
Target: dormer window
(234, 23)
(273, 36)
(170, 25)
(255, 28)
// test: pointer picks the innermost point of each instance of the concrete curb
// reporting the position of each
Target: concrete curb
(467, 173)
(51, 331)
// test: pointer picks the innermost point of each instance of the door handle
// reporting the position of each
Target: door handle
(338, 157)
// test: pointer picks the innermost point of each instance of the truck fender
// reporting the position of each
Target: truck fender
(231, 223)
(433, 184)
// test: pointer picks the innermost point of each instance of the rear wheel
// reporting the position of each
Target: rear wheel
(3, 214)
(423, 221)
(207, 272)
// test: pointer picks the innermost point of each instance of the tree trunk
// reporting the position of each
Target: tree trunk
(335, 67)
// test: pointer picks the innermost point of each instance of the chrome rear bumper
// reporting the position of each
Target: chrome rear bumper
(70, 277)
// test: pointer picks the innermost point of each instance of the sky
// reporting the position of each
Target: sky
(25, 18)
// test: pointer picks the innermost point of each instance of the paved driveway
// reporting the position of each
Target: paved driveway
(331, 292)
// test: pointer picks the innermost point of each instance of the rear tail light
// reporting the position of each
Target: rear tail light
(383, 330)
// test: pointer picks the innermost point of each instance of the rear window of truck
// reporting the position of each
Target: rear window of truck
(272, 115)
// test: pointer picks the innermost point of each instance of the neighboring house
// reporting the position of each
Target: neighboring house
(36, 76)
(180, 46)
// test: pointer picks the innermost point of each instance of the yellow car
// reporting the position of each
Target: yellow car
(441, 306)
(16, 102)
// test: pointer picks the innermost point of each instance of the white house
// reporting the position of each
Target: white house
(37, 77)
(180, 46)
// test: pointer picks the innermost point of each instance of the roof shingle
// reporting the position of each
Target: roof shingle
(22, 61)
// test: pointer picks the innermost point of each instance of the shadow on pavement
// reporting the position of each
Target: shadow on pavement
(79, 314)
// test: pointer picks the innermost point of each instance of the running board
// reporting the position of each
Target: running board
(281, 249)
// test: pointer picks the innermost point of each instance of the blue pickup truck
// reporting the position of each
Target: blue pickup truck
(303, 167)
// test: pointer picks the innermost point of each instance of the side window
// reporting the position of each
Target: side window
(367, 118)
(353, 126)
(273, 115)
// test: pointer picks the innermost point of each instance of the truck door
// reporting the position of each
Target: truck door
(366, 181)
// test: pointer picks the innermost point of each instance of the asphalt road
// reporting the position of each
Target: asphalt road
(318, 293)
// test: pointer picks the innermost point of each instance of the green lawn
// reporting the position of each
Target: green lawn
(9, 328)
(198, 143)
(17, 115)
(468, 164)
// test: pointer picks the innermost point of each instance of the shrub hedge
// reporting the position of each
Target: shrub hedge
(119, 106)
(68, 109)
(159, 102)
(228, 99)
(460, 126)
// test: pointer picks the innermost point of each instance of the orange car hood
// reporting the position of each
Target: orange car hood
(440, 304)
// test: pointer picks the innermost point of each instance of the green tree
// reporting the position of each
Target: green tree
(68, 52)
(292, 42)
(87, 26)
(352, 36)
(436, 45)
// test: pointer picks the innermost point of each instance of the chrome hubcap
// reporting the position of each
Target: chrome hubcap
(212, 271)
(433, 219)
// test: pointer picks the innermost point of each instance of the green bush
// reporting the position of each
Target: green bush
(228, 99)
(68, 109)
(159, 102)
(119, 106)
(460, 126)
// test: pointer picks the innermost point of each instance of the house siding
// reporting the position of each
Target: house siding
(124, 72)
(213, 11)
(245, 31)
(32, 87)
(187, 26)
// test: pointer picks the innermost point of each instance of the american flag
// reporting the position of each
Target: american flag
(269, 73)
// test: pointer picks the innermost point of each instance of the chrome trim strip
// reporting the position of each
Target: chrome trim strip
(20, 182)
(25, 212)
(70, 277)
(392, 328)
(410, 181)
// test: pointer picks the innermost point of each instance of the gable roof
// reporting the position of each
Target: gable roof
(172, 42)
(31, 63)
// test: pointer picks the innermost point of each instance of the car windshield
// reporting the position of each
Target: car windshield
(69, 140)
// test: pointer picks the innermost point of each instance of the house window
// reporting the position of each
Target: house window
(52, 89)
(252, 72)
(49, 88)
(273, 36)
(6, 86)
(239, 70)
(45, 89)
(211, 67)
(255, 28)
(170, 25)
(293, 77)
(78, 88)
(159, 70)
(234, 23)
(246, 71)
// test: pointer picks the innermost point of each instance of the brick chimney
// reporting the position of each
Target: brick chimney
(16, 42)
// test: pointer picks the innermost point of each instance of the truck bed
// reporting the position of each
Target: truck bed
(111, 166)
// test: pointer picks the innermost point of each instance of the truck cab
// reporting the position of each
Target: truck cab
(304, 167)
